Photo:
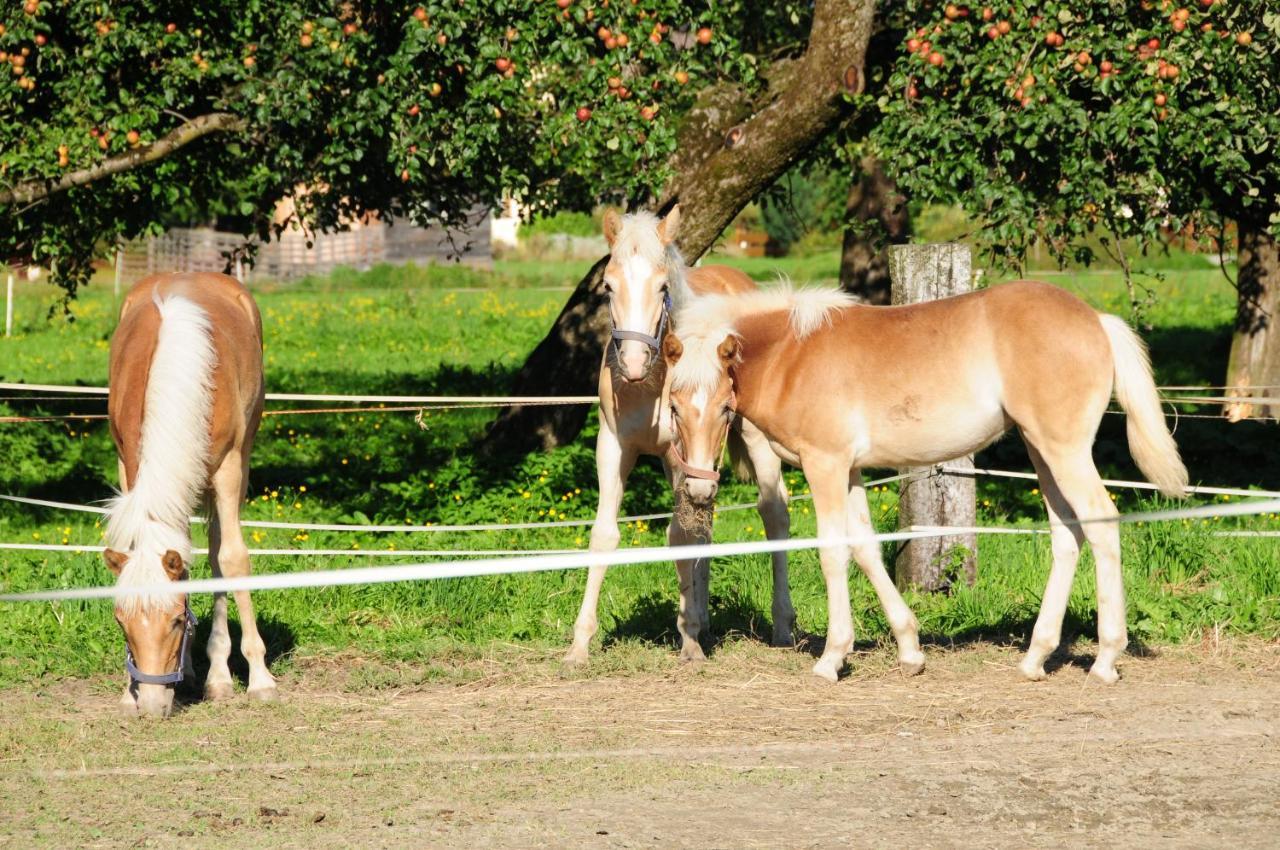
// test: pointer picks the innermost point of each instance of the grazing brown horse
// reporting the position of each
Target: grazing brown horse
(838, 386)
(645, 279)
(186, 398)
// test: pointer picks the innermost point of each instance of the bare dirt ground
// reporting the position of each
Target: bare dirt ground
(744, 751)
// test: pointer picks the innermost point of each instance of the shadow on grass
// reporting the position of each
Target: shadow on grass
(653, 620)
(278, 637)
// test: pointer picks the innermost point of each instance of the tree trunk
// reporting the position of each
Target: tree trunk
(730, 148)
(925, 273)
(1254, 367)
(878, 217)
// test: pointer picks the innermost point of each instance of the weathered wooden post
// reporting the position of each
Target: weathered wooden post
(923, 273)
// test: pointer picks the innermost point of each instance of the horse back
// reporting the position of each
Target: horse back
(719, 280)
(236, 330)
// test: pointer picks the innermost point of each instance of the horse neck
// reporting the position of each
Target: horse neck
(761, 338)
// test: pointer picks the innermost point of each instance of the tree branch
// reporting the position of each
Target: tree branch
(35, 190)
(729, 149)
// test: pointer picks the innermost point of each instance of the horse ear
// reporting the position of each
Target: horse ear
(115, 560)
(669, 226)
(612, 224)
(173, 565)
(672, 349)
(729, 349)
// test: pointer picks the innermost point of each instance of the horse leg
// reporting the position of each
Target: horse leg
(772, 505)
(829, 482)
(695, 584)
(218, 684)
(229, 483)
(866, 551)
(1084, 491)
(613, 465)
(1065, 540)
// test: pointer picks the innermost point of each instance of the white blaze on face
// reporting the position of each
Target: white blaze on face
(699, 400)
(639, 314)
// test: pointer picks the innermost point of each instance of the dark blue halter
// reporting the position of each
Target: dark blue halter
(654, 342)
(173, 678)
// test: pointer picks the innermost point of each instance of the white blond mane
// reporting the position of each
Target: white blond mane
(638, 236)
(705, 322)
(153, 516)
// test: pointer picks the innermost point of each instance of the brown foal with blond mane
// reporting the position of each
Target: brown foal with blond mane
(838, 386)
(645, 279)
(186, 398)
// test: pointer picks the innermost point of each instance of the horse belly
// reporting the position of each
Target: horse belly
(915, 432)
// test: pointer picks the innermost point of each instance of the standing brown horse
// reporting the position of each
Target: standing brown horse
(838, 386)
(186, 398)
(645, 279)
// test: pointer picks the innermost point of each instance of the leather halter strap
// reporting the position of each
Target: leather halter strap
(654, 342)
(176, 676)
(675, 458)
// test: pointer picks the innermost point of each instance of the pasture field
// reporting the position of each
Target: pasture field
(403, 333)
(436, 714)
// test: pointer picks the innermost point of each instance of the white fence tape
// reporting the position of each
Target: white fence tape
(1110, 482)
(366, 399)
(416, 553)
(516, 526)
(542, 563)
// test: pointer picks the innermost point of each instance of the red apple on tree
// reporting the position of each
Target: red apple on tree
(704, 35)
(583, 114)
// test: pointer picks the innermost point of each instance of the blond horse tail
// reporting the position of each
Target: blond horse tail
(1150, 442)
(739, 458)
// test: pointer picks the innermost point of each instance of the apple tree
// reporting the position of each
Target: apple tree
(119, 116)
(1059, 121)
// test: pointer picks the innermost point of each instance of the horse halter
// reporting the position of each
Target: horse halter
(176, 676)
(675, 458)
(654, 342)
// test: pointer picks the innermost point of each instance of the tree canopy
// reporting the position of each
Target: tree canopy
(1056, 121)
(120, 116)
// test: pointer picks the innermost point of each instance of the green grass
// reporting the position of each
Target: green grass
(399, 332)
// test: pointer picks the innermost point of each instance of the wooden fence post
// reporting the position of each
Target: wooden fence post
(923, 273)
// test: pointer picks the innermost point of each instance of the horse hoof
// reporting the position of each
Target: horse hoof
(784, 639)
(269, 694)
(1104, 675)
(826, 670)
(219, 692)
(575, 659)
(692, 654)
(911, 666)
(1032, 672)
